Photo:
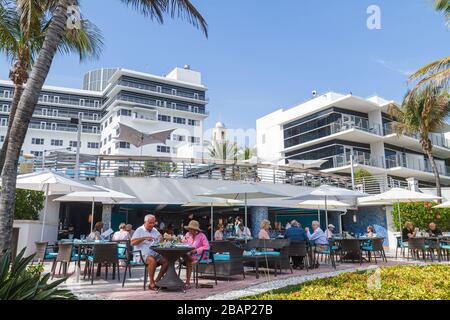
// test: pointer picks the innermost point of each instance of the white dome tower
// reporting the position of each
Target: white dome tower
(219, 133)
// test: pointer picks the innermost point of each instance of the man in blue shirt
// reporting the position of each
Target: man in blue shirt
(296, 234)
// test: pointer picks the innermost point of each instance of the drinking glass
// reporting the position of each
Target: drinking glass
(82, 237)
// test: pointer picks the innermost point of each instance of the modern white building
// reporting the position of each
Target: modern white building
(335, 126)
(143, 101)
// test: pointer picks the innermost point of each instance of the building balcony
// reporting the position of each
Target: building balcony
(441, 145)
(342, 163)
(405, 166)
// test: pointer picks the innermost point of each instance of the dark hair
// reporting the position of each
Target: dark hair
(371, 229)
(98, 226)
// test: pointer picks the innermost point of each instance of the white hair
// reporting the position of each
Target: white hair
(316, 223)
(295, 223)
(149, 217)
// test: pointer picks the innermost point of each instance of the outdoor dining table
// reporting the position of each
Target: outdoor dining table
(171, 280)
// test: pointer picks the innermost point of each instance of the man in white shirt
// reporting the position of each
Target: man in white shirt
(243, 232)
(143, 238)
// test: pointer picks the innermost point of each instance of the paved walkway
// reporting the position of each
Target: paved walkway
(234, 288)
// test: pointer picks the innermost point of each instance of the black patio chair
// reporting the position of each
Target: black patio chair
(374, 246)
(350, 249)
(103, 254)
(300, 249)
(131, 262)
(418, 247)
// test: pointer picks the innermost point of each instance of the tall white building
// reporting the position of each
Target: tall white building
(334, 126)
(143, 101)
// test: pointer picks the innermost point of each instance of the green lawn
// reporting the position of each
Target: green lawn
(399, 282)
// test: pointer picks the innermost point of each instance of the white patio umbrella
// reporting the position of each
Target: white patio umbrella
(101, 194)
(443, 205)
(244, 192)
(305, 164)
(327, 193)
(49, 183)
(212, 202)
(397, 196)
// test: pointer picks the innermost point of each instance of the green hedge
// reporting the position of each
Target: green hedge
(421, 214)
(395, 283)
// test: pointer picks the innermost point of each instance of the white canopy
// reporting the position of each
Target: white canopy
(305, 164)
(397, 195)
(103, 195)
(57, 184)
(442, 206)
(49, 183)
(244, 192)
(140, 139)
(320, 204)
(212, 202)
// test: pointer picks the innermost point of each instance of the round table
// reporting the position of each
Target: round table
(171, 280)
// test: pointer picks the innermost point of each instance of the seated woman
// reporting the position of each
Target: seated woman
(409, 231)
(197, 239)
(122, 234)
(264, 232)
(96, 234)
(218, 235)
(169, 233)
(370, 232)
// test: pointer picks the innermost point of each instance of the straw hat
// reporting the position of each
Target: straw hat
(193, 225)
(331, 226)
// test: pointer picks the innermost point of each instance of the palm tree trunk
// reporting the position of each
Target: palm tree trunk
(22, 118)
(428, 147)
(18, 90)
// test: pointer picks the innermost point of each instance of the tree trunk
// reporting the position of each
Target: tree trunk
(428, 147)
(18, 90)
(23, 116)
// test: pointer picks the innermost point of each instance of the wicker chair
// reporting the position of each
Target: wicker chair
(103, 254)
(350, 249)
(375, 246)
(226, 260)
(417, 247)
(42, 252)
(64, 258)
(300, 249)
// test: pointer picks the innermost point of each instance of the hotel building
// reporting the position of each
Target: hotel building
(143, 101)
(333, 127)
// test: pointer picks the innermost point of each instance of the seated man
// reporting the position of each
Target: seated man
(296, 234)
(143, 238)
(318, 237)
(243, 232)
(433, 230)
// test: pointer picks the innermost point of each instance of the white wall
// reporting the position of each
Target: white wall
(30, 232)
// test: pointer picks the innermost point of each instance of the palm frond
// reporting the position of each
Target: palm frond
(444, 6)
(184, 9)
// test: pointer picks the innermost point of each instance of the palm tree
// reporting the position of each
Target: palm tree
(424, 112)
(22, 31)
(154, 9)
(436, 73)
(223, 150)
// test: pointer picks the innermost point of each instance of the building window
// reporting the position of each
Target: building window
(195, 123)
(80, 115)
(56, 99)
(43, 125)
(122, 145)
(174, 92)
(45, 97)
(2, 138)
(93, 145)
(95, 116)
(124, 112)
(178, 138)
(173, 105)
(7, 94)
(57, 143)
(44, 112)
(164, 118)
(54, 126)
(109, 137)
(196, 97)
(37, 141)
(104, 142)
(5, 108)
(109, 150)
(110, 120)
(94, 129)
(4, 122)
(194, 140)
(82, 102)
(179, 120)
(55, 112)
(158, 103)
(74, 144)
(158, 89)
(37, 154)
(96, 104)
(163, 149)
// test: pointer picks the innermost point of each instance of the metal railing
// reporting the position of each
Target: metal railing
(424, 165)
(378, 184)
(359, 157)
(437, 139)
(362, 125)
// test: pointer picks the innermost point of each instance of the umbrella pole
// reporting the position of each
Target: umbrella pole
(212, 222)
(45, 212)
(400, 221)
(326, 213)
(246, 215)
(318, 213)
(92, 215)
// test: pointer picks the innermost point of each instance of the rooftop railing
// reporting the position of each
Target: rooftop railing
(437, 139)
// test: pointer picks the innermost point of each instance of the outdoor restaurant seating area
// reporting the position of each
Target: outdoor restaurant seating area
(229, 260)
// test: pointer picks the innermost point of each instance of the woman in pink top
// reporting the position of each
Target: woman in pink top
(198, 240)
(264, 232)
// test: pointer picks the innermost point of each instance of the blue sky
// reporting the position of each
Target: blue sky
(263, 55)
